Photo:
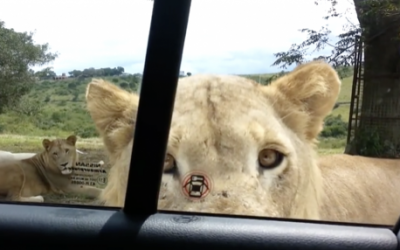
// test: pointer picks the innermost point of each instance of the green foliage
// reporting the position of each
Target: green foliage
(76, 97)
(55, 109)
(27, 106)
(63, 110)
(133, 85)
(56, 117)
(124, 85)
(18, 53)
(344, 71)
(369, 12)
(369, 143)
(62, 103)
(329, 143)
(92, 72)
(87, 132)
(60, 91)
(46, 73)
(334, 126)
(71, 85)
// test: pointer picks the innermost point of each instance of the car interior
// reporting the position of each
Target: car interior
(139, 224)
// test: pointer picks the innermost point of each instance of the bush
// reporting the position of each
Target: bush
(87, 132)
(62, 104)
(44, 124)
(334, 127)
(27, 106)
(76, 97)
(61, 91)
(56, 117)
(71, 85)
(134, 86)
(124, 85)
(369, 143)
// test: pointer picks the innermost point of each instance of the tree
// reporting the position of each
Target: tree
(379, 28)
(18, 53)
(120, 70)
(46, 73)
(75, 73)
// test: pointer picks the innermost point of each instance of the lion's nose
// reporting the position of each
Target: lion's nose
(64, 165)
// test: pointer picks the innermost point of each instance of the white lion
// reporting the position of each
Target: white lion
(257, 144)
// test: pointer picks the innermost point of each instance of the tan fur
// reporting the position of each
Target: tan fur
(44, 173)
(221, 124)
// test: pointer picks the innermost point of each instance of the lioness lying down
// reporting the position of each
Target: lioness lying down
(44, 173)
(257, 143)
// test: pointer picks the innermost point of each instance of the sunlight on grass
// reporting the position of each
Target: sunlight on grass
(21, 143)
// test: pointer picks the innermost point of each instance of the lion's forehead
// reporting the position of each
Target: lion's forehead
(224, 105)
(221, 100)
(224, 121)
(218, 93)
(233, 139)
(59, 146)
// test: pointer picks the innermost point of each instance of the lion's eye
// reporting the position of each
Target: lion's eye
(169, 164)
(269, 158)
(67, 150)
(55, 153)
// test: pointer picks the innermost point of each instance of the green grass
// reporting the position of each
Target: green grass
(343, 111)
(21, 143)
(345, 96)
(345, 92)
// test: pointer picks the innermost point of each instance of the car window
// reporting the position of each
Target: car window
(47, 63)
(276, 115)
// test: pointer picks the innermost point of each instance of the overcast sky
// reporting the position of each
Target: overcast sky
(224, 36)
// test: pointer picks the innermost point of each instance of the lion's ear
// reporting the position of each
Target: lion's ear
(305, 96)
(46, 144)
(113, 111)
(72, 140)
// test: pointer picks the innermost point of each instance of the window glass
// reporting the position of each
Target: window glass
(43, 79)
(279, 111)
(271, 142)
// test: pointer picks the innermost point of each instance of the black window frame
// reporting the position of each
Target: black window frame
(157, 97)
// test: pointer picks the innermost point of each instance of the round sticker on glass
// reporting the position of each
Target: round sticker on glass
(196, 185)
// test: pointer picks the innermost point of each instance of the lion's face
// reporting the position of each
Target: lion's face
(237, 141)
(228, 129)
(61, 153)
(255, 143)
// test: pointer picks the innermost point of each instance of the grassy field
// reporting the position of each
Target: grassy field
(57, 109)
(345, 96)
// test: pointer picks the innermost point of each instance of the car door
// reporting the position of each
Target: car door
(139, 224)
